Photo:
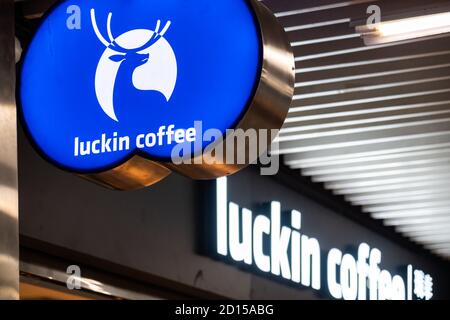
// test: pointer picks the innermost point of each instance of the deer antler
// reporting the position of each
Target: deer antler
(108, 28)
(97, 31)
(158, 24)
(112, 42)
(156, 36)
(166, 27)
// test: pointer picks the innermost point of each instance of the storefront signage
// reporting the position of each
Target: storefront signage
(109, 88)
(262, 241)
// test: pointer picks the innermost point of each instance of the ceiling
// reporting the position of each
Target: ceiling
(371, 123)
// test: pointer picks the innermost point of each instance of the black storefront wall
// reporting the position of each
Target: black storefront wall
(167, 231)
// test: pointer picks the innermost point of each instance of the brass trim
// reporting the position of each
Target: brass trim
(137, 173)
(90, 288)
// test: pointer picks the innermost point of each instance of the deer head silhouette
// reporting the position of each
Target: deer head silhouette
(133, 48)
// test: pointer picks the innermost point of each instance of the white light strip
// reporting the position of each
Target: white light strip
(443, 251)
(397, 195)
(371, 120)
(322, 40)
(370, 62)
(357, 143)
(320, 8)
(416, 221)
(294, 137)
(408, 28)
(425, 227)
(428, 233)
(386, 182)
(322, 163)
(366, 156)
(405, 197)
(382, 173)
(392, 187)
(433, 239)
(316, 25)
(320, 116)
(369, 88)
(369, 133)
(362, 101)
(433, 245)
(366, 76)
(418, 213)
(360, 49)
(332, 133)
(426, 206)
(368, 167)
(390, 148)
(438, 246)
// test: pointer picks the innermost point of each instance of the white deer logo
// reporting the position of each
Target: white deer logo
(146, 52)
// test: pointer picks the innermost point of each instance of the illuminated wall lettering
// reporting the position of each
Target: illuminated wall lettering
(284, 251)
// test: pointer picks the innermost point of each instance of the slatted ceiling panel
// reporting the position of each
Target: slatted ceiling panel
(373, 58)
(372, 123)
(412, 63)
(306, 120)
(396, 85)
(335, 32)
(408, 103)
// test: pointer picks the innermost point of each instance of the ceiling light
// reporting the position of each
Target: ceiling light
(405, 29)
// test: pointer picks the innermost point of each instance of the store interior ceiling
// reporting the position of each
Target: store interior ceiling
(370, 122)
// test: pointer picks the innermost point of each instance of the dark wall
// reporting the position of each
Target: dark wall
(157, 231)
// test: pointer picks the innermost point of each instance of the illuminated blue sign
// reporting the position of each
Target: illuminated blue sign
(103, 80)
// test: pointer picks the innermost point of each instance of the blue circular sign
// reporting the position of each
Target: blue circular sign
(103, 80)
